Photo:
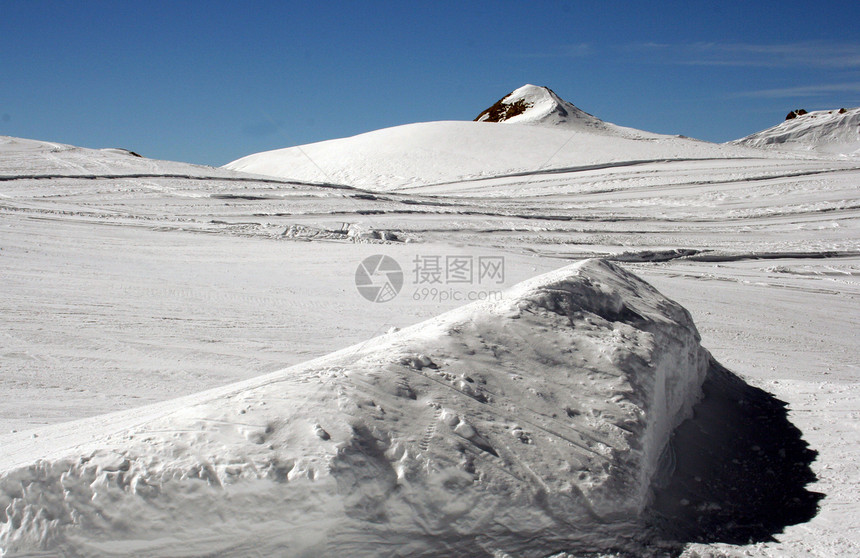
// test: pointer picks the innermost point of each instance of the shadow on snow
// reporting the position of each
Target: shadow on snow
(736, 472)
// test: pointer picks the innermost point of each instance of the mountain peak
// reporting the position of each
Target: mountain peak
(533, 104)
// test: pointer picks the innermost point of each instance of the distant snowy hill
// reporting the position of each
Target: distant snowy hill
(830, 132)
(541, 132)
(27, 157)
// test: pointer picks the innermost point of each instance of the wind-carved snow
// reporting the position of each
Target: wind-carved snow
(529, 424)
(825, 132)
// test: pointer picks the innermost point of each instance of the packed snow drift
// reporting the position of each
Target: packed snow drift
(530, 424)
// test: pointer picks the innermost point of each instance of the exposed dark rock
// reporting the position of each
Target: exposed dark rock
(502, 111)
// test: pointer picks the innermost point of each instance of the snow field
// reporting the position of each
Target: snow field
(128, 281)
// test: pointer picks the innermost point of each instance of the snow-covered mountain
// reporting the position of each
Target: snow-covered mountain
(829, 132)
(549, 133)
(532, 104)
(541, 106)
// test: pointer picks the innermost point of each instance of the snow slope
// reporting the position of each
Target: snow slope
(32, 158)
(434, 152)
(826, 132)
(526, 425)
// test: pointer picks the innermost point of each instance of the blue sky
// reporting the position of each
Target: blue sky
(208, 82)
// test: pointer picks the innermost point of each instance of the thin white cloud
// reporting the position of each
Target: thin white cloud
(802, 91)
(576, 50)
(580, 50)
(814, 54)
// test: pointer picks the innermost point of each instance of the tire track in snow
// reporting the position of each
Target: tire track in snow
(6, 178)
(575, 169)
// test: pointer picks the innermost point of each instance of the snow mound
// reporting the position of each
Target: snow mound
(830, 132)
(529, 424)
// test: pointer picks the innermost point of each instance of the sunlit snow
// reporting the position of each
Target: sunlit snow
(538, 421)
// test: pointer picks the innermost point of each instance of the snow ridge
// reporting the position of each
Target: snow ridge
(830, 132)
(524, 425)
(22, 158)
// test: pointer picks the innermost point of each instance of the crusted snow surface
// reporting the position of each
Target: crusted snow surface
(527, 425)
(827, 132)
